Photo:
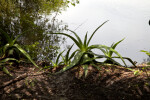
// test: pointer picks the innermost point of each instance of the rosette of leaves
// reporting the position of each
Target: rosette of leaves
(11, 51)
(84, 54)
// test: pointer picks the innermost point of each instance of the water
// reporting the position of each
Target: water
(127, 19)
(28, 17)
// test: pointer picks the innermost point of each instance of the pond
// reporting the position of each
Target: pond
(35, 19)
(127, 19)
(27, 17)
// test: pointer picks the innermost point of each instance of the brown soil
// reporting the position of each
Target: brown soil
(111, 83)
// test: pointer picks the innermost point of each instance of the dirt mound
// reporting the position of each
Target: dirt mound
(110, 83)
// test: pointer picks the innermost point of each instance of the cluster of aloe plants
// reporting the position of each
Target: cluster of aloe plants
(11, 52)
(84, 54)
(66, 60)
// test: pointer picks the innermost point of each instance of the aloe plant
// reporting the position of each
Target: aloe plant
(11, 47)
(84, 53)
(56, 62)
(110, 53)
(67, 59)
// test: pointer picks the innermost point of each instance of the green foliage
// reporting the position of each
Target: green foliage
(83, 46)
(135, 72)
(109, 53)
(25, 53)
(57, 63)
(3, 63)
(49, 6)
(17, 16)
(84, 55)
(114, 46)
(75, 61)
(145, 69)
(130, 60)
(32, 49)
(146, 52)
(105, 48)
(67, 59)
(11, 51)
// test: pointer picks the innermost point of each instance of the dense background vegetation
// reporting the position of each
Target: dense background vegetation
(29, 18)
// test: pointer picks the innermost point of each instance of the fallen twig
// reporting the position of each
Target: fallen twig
(14, 80)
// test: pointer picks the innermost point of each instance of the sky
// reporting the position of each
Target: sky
(127, 19)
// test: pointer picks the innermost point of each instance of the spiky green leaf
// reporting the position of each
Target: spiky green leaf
(146, 52)
(95, 32)
(79, 40)
(75, 61)
(72, 55)
(25, 53)
(13, 42)
(130, 60)
(67, 55)
(85, 40)
(108, 48)
(6, 71)
(104, 56)
(113, 46)
(57, 59)
(8, 59)
(76, 42)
